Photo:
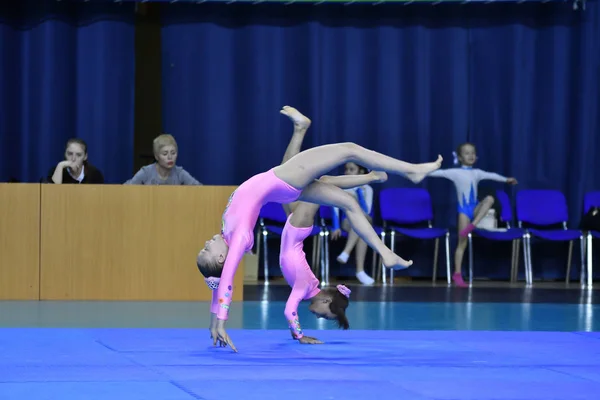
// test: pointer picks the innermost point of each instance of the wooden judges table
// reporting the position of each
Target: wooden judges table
(107, 242)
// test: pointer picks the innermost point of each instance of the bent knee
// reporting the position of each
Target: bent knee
(350, 149)
(349, 203)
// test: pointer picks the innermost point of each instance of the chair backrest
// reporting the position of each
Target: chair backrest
(405, 205)
(506, 214)
(591, 199)
(325, 212)
(542, 207)
(273, 212)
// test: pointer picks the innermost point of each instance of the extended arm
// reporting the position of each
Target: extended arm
(225, 290)
(492, 176)
(291, 313)
(443, 173)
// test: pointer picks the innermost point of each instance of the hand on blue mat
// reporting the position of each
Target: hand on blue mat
(309, 340)
(218, 334)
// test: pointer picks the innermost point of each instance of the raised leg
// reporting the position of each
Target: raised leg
(301, 125)
(311, 164)
(480, 211)
(329, 195)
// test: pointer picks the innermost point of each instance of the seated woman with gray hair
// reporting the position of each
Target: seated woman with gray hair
(163, 171)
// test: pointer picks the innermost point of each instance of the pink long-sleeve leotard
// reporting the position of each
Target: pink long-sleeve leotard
(237, 228)
(296, 272)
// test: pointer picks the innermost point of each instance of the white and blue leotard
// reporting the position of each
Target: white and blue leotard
(364, 196)
(465, 180)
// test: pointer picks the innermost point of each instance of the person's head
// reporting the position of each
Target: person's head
(351, 168)
(466, 154)
(211, 258)
(165, 151)
(76, 152)
(331, 304)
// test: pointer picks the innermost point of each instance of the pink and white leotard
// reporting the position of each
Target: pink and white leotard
(237, 228)
(296, 272)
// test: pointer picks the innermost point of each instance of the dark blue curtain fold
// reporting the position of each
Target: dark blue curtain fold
(68, 71)
(518, 80)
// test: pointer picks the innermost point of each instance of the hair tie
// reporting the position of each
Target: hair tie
(344, 290)
(212, 282)
(455, 157)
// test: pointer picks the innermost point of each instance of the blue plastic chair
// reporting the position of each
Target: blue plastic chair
(326, 218)
(271, 221)
(543, 208)
(509, 234)
(401, 207)
(591, 199)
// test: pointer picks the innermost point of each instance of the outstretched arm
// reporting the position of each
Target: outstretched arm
(492, 176)
(235, 254)
(291, 313)
(443, 173)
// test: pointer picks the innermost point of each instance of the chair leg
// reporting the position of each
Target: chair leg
(470, 238)
(326, 278)
(436, 250)
(582, 269)
(314, 254)
(512, 262)
(393, 248)
(448, 273)
(383, 269)
(265, 257)
(517, 249)
(589, 265)
(569, 261)
(378, 264)
(322, 239)
(527, 255)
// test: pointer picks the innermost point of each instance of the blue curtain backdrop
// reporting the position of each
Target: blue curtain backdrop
(67, 71)
(518, 80)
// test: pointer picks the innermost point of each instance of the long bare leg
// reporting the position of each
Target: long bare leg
(305, 167)
(354, 242)
(329, 195)
(304, 213)
(463, 222)
(301, 125)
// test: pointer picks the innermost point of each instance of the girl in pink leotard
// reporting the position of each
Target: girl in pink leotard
(293, 180)
(329, 303)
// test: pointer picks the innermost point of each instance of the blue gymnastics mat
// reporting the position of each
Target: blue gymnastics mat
(181, 364)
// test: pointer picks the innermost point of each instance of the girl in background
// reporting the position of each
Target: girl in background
(364, 196)
(470, 209)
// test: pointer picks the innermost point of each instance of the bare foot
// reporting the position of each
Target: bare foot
(422, 170)
(299, 120)
(396, 262)
(379, 176)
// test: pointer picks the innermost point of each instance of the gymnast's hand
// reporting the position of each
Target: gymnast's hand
(218, 334)
(213, 330)
(309, 340)
(335, 235)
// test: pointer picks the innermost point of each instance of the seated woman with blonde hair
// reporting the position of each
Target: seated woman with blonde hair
(163, 171)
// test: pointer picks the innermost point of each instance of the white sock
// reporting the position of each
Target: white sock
(364, 278)
(343, 258)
